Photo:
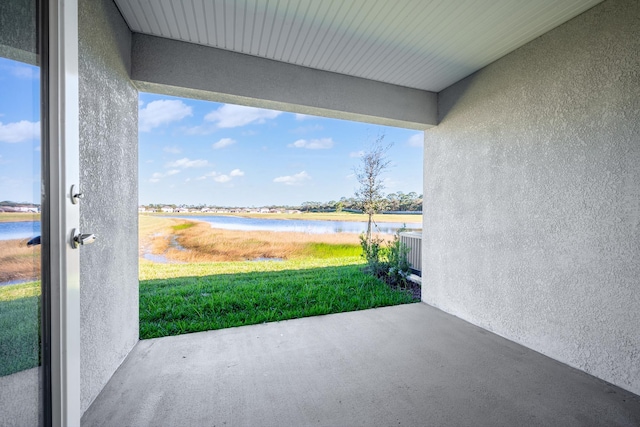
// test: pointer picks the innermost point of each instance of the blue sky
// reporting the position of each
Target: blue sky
(19, 132)
(200, 152)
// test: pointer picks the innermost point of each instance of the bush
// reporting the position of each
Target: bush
(389, 262)
(399, 267)
(375, 254)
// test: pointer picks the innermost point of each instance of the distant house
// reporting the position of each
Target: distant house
(142, 209)
(167, 209)
(185, 210)
(27, 209)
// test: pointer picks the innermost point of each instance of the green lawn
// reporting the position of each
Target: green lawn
(182, 298)
(18, 216)
(19, 327)
(248, 293)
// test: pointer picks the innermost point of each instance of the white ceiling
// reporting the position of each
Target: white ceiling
(421, 44)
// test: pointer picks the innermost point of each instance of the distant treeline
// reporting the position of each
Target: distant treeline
(396, 202)
(9, 203)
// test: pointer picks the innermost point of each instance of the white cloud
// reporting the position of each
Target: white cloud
(163, 111)
(231, 116)
(172, 150)
(19, 131)
(186, 163)
(296, 179)
(224, 142)
(23, 72)
(301, 117)
(220, 177)
(313, 144)
(207, 175)
(157, 176)
(416, 140)
(356, 154)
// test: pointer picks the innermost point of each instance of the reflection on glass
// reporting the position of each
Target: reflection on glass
(20, 189)
(19, 216)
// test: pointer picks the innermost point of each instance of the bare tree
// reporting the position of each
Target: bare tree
(369, 174)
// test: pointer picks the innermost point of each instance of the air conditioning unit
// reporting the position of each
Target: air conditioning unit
(413, 241)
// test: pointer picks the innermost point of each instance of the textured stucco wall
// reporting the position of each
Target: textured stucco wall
(186, 69)
(109, 180)
(18, 30)
(532, 195)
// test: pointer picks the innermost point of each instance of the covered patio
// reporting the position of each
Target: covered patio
(530, 113)
(404, 365)
(530, 117)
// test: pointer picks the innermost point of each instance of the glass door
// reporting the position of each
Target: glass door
(21, 189)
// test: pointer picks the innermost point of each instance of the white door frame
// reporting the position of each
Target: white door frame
(64, 131)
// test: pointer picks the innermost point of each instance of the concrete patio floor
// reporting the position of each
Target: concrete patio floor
(409, 365)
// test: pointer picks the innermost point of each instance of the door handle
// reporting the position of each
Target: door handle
(80, 239)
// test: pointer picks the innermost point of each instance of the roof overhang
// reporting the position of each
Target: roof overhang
(370, 60)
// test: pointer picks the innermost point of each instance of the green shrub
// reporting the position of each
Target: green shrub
(374, 253)
(399, 267)
(388, 262)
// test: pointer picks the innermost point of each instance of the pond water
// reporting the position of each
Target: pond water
(28, 229)
(19, 230)
(297, 225)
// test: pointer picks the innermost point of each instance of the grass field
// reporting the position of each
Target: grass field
(19, 304)
(182, 240)
(18, 217)
(200, 297)
(213, 283)
(313, 275)
(18, 261)
(19, 327)
(191, 241)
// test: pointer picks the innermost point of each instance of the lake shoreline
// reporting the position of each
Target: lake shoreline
(297, 225)
(308, 216)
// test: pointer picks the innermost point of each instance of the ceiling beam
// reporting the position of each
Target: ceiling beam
(182, 69)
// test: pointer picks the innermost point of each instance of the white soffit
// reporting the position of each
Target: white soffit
(425, 45)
